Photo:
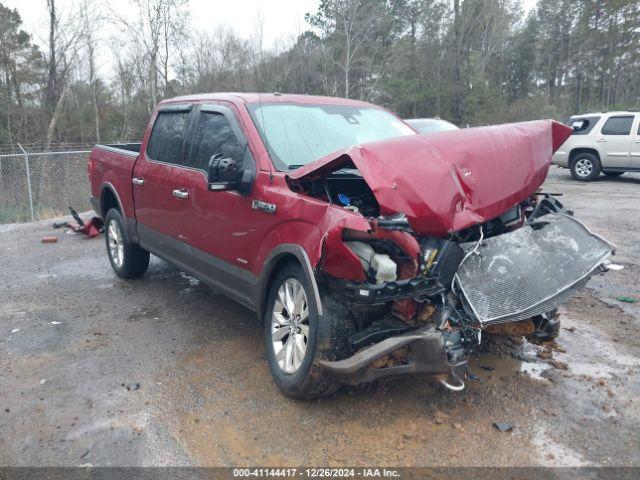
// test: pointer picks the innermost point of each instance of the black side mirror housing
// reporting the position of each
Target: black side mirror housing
(225, 173)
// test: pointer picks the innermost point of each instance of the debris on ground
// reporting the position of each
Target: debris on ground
(92, 228)
(410, 432)
(51, 239)
(614, 266)
(503, 426)
(439, 417)
(488, 368)
(135, 386)
(15, 330)
(559, 365)
(623, 298)
(456, 426)
(545, 354)
(55, 323)
(570, 329)
(473, 376)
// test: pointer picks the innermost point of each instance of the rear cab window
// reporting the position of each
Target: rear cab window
(167, 136)
(618, 125)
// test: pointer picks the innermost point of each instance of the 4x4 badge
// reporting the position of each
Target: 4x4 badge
(260, 205)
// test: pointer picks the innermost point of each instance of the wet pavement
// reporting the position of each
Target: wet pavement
(95, 370)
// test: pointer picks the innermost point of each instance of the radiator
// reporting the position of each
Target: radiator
(529, 271)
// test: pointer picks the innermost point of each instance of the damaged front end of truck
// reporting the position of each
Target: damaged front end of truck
(447, 237)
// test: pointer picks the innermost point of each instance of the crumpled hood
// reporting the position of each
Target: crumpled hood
(448, 181)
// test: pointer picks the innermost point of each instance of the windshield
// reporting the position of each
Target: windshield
(431, 125)
(297, 134)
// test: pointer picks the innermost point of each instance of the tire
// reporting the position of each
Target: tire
(613, 174)
(585, 167)
(327, 337)
(127, 259)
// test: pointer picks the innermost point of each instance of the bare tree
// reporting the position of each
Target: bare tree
(91, 21)
(161, 26)
(62, 50)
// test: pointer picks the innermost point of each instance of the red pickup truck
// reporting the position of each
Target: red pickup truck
(366, 249)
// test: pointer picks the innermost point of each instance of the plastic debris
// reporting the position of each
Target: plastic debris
(92, 228)
(623, 298)
(49, 240)
(558, 364)
(15, 330)
(55, 323)
(503, 426)
(346, 201)
(614, 267)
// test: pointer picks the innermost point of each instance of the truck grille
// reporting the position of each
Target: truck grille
(531, 270)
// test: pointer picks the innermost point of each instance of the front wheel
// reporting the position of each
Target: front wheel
(127, 259)
(297, 338)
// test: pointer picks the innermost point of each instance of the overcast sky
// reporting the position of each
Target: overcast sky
(280, 18)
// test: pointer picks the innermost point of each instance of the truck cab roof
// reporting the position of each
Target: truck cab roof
(240, 97)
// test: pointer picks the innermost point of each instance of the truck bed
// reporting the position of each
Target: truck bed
(125, 148)
(111, 166)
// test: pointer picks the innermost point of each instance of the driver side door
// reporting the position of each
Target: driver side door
(217, 228)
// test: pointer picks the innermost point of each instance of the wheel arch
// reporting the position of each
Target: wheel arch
(109, 199)
(578, 150)
(279, 257)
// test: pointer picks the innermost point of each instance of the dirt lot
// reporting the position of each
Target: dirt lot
(161, 371)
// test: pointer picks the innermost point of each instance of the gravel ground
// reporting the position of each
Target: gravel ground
(161, 371)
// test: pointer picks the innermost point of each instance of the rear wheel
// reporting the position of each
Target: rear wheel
(585, 167)
(297, 338)
(127, 259)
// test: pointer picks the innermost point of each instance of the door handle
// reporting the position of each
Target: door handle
(137, 181)
(182, 194)
(601, 140)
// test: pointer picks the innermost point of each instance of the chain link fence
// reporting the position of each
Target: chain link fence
(37, 184)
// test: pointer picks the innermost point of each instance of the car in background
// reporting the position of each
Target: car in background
(606, 143)
(430, 125)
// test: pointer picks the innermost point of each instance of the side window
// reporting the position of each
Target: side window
(213, 136)
(618, 126)
(582, 126)
(165, 144)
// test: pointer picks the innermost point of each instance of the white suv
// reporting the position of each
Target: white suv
(601, 142)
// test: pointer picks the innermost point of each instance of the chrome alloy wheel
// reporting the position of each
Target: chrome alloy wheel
(116, 247)
(584, 167)
(290, 325)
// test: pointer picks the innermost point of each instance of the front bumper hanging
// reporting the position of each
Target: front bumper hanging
(429, 351)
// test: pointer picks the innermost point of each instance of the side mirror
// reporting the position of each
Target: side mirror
(224, 173)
